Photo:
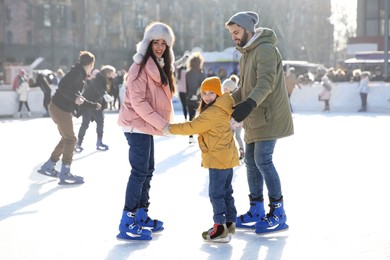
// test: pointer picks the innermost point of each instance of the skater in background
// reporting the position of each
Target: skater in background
(23, 89)
(219, 155)
(96, 91)
(146, 110)
(194, 78)
(65, 101)
(114, 92)
(229, 86)
(291, 83)
(43, 83)
(181, 67)
(363, 90)
(19, 78)
(326, 92)
(262, 104)
(21, 86)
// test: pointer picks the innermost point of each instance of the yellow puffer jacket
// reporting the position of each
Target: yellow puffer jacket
(215, 137)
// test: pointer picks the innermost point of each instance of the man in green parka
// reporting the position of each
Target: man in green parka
(262, 104)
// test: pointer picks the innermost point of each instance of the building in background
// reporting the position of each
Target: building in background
(370, 27)
(58, 29)
(366, 50)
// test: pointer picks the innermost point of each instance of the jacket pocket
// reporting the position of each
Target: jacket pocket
(259, 118)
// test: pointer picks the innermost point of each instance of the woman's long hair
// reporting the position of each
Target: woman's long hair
(166, 73)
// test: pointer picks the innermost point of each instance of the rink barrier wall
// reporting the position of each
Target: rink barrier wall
(345, 98)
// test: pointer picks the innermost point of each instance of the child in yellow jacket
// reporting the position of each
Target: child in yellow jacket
(219, 154)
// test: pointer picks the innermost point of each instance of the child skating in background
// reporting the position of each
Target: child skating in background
(219, 155)
(230, 85)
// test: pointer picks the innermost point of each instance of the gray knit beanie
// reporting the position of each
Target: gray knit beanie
(246, 20)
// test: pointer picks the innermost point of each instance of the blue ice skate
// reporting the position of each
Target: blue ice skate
(129, 230)
(142, 219)
(275, 221)
(255, 214)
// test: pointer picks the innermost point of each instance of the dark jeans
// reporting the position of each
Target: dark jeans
(141, 158)
(183, 100)
(221, 195)
(21, 103)
(192, 107)
(363, 97)
(90, 115)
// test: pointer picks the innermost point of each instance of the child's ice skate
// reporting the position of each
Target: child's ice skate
(219, 234)
(231, 226)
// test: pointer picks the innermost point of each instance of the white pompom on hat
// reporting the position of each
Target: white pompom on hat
(155, 31)
(230, 84)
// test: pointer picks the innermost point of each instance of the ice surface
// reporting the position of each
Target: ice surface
(335, 180)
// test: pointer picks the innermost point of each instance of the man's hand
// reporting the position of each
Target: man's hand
(98, 106)
(242, 110)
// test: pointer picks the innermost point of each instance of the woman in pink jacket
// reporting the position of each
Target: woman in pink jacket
(146, 110)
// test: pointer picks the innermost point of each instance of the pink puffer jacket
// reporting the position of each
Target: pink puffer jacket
(147, 104)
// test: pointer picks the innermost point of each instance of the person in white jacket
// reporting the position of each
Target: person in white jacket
(363, 90)
(22, 91)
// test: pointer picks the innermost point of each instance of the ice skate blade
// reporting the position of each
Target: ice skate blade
(219, 240)
(71, 182)
(272, 230)
(156, 229)
(48, 174)
(123, 236)
(249, 225)
(101, 148)
(78, 150)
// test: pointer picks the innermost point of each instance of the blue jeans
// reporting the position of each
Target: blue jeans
(221, 195)
(260, 168)
(141, 158)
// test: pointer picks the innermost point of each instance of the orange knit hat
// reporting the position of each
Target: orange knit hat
(212, 84)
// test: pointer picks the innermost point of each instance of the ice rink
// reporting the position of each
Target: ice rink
(335, 179)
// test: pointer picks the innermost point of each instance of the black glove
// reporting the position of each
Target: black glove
(242, 110)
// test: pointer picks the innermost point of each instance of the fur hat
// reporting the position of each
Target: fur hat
(212, 84)
(155, 31)
(108, 67)
(246, 20)
(230, 84)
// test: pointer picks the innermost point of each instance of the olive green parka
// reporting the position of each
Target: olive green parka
(262, 80)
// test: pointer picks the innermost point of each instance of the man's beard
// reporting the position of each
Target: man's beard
(244, 40)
